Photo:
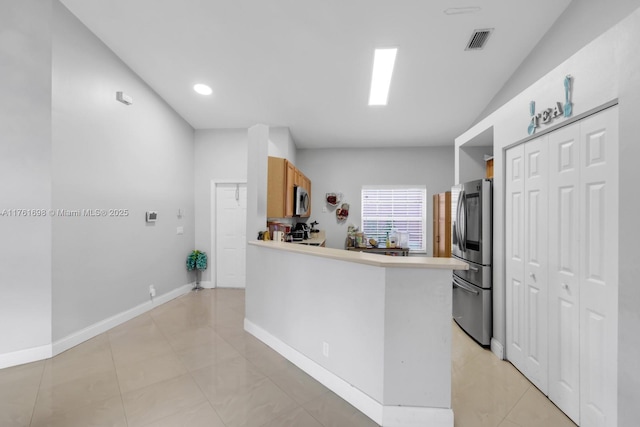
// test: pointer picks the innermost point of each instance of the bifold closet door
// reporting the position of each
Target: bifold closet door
(583, 294)
(599, 269)
(564, 270)
(526, 265)
(536, 262)
(514, 257)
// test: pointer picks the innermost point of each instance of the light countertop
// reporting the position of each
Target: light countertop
(365, 258)
(317, 239)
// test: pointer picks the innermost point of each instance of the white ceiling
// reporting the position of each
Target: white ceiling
(307, 65)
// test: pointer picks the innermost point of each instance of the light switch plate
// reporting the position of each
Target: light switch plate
(180, 230)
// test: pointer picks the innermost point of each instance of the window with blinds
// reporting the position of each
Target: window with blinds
(395, 208)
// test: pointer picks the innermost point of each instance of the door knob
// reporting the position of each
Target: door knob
(533, 276)
(565, 286)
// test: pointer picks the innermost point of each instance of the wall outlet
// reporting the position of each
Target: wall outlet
(152, 291)
(325, 349)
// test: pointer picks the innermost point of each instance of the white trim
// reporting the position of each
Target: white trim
(206, 284)
(28, 355)
(407, 416)
(34, 354)
(497, 348)
(104, 325)
(392, 416)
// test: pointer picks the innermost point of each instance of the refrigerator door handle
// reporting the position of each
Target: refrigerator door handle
(463, 220)
(459, 220)
(465, 287)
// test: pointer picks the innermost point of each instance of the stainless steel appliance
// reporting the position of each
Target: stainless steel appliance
(301, 201)
(471, 229)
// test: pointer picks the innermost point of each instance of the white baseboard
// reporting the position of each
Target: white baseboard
(497, 348)
(391, 416)
(28, 355)
(207, 284)
(104, 325)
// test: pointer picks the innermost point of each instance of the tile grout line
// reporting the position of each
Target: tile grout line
(113, 360)
(35, 401)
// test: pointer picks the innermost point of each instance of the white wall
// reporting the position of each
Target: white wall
(257, 159)
(25, 178)
(347, 170)
(107, 155)
(379, 324)
(220, 155)
(281, 144)
(471, 162)
(580, 23)
(604, 70)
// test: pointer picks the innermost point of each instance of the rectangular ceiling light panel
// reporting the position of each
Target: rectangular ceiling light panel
(383, 63)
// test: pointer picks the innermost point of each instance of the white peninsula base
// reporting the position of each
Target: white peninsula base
(375, 330)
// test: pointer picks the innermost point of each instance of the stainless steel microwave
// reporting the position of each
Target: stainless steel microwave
(301, 202)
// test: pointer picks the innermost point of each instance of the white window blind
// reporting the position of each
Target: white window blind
(400, 208)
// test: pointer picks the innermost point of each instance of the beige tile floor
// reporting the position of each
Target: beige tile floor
(190, 363)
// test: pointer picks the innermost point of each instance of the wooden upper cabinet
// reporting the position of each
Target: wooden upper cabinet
(442, 224)
(291, 176)
(283, 176)
(298, 180)
(278, 204)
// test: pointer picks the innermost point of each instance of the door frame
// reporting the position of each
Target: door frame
(212, 224)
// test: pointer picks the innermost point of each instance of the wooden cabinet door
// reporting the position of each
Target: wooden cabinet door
(442, 225)
(276, 186)
(291, 173)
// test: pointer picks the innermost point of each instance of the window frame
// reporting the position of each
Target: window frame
(423, 218)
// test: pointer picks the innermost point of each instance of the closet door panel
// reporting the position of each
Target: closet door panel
(564, 270)
(599, 281)
(514, 254)
(535, 262)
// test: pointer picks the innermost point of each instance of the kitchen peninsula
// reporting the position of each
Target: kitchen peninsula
(374, 329)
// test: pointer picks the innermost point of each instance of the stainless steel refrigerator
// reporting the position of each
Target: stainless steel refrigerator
(471, 229)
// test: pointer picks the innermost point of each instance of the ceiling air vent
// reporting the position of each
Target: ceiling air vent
(479, 39)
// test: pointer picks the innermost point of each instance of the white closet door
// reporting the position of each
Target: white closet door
(564, 270)
(231, 235)
(536, 262)
(598, 275)
(514, 256)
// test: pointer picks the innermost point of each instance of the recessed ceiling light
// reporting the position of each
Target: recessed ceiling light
(202, 89)
(461, 10)
(383, 62)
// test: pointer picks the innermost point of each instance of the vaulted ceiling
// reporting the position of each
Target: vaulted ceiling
(307, 65)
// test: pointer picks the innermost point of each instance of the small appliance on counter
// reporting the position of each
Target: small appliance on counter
(301, 229)
(297, 235)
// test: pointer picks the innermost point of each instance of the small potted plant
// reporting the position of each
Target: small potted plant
(197, 260)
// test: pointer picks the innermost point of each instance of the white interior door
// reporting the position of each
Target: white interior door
(564, 270)
(599, 272)
(231, 235)
(536, 262)
(514, 256)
